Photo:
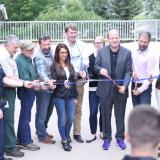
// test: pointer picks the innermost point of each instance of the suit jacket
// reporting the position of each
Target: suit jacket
(123, 71)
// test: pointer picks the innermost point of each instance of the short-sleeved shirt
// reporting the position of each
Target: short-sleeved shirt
(8, 63)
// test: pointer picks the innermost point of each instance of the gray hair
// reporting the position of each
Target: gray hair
(144, 127)
(12, 39)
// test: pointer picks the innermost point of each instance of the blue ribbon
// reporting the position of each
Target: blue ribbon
(108, 80)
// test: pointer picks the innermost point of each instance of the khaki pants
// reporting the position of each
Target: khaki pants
(158, 97)
(78, 109)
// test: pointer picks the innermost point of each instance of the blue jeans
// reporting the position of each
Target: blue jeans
(44, 109)
(143, 98)
(27, 97)
(65, 111)
(93, 106)
(1, 139)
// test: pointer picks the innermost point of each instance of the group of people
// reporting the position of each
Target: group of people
(57, 78)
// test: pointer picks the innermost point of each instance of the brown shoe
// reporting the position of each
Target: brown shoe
(48, 140)
(50, 135)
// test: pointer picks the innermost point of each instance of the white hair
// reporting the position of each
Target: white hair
(12, 39)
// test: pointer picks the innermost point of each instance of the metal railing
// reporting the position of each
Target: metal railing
(31, 30)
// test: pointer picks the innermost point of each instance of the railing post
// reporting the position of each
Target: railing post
(31, 31)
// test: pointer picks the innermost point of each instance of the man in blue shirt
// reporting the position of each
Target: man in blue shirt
(44, 98)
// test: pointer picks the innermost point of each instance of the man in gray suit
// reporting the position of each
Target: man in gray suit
(113, 63)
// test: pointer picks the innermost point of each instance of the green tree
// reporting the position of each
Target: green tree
(21, 10)
(152, 8)
(100, 7)
(124, 9)
(70, 10)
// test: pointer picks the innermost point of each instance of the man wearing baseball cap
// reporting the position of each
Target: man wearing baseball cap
(26, 96)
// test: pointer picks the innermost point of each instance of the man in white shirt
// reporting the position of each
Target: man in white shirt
(79, 59)
(143, 67)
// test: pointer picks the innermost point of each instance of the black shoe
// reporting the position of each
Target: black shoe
(14, 152)
(78, 138)
(69, 140)
(66, 146)
(7, 158)
(91, 140)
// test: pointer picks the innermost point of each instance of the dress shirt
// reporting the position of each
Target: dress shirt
(79, 55)
(43, 63)
(144, 63)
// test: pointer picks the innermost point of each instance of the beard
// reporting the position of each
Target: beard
(143, 48)
(46, 51)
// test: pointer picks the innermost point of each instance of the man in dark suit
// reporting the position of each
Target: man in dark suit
(113, 62)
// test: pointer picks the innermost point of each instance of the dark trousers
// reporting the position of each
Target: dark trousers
(44, 109)
(10, 137)
(94, 106)
(27, 97)
(144, 97)
(106, 106)
(1, 139)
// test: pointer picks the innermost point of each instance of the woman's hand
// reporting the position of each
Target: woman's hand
(66, 84)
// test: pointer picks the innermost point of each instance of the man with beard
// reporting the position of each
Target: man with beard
(44, 99)
(143, 67)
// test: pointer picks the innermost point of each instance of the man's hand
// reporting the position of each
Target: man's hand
(28, 84)
(1, 114)
(83, 74)
(104, 72)
(75, 102)
(134, 76)
(36, 85)
(136, 92)
(121, 89)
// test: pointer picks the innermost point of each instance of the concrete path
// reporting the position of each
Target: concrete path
(90, 151)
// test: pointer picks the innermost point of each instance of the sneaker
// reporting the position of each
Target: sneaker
(7, 158)
(106, 144)
(121, 144)
(14, 152)
(31, 147)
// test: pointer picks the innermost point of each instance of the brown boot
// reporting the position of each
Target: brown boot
(48, 140)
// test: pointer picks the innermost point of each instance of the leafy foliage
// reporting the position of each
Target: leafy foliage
(71, 10)
(152, 8)
(21, 10)
(100, 7)
(124, 9)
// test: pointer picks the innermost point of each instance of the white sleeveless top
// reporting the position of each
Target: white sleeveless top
(67, 72)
